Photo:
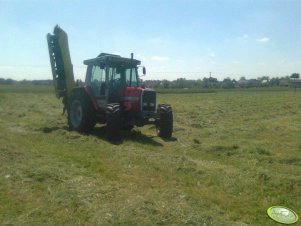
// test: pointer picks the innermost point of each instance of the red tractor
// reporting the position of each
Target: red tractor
(112, 93)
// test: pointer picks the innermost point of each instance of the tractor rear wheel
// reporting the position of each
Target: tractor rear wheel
(165, 122)
(81, 116)
(114, 121)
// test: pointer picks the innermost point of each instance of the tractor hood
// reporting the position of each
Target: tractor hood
(137, 98)
(133, 91)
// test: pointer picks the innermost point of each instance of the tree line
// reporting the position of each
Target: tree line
(227, 83)
(10, 81)
(207, 82)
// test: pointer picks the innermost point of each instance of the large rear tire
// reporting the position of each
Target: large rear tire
(81, 115)
(114, 121)
(165, 122)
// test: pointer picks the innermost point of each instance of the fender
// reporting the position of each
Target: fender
(87, 91)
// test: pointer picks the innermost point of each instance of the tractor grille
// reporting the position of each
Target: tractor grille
(148, 100)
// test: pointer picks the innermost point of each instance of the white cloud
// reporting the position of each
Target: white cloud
(264, 39)
(160, 58)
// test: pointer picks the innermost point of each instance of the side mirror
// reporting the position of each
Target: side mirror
(144, 70)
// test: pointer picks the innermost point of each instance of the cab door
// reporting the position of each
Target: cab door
(97, 82)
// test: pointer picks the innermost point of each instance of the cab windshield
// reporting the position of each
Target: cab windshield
(121, 76)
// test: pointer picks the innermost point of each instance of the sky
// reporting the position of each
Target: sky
(172, 38)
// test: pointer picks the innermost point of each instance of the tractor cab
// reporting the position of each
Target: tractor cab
(113, 78)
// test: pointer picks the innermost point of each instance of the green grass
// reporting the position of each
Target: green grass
(19, 88)
(233, 154)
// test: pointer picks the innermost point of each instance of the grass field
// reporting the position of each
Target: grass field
(233, 154)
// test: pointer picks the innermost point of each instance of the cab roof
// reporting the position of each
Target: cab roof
(107, 58)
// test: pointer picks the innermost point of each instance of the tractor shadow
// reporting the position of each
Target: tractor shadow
(100, 133)
(172, 139)
(47, 129)
(137, 136)
(133, 135)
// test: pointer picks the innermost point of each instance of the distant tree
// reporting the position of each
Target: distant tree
(263, 78)
(181, 83)
(152, 83)
(234, 82)
(295, 75)
(9, 81)
(2, 81)
(166, 84)
(274, 82)
(210, 82)
(228, 83)
(206, 82)
(199, 83)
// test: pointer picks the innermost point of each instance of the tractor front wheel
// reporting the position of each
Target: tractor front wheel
(114, 121)
(165, 121)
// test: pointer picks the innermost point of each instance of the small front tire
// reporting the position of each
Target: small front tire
(165, 121)
(114, 121)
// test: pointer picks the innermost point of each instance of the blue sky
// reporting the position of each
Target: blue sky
(176, 38)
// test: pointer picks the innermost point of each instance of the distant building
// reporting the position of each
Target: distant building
(295, 82)
(243, 83)
(264, 82)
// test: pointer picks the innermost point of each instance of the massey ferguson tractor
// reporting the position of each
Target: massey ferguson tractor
(111, 95)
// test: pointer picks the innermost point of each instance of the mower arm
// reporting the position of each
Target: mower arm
(61, 65)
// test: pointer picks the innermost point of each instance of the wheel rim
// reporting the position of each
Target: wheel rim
(76, 113)
(158, 130)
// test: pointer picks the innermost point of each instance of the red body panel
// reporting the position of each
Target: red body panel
(130, 98)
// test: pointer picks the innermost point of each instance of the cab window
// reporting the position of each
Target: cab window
(97, 80)
(131, 81)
